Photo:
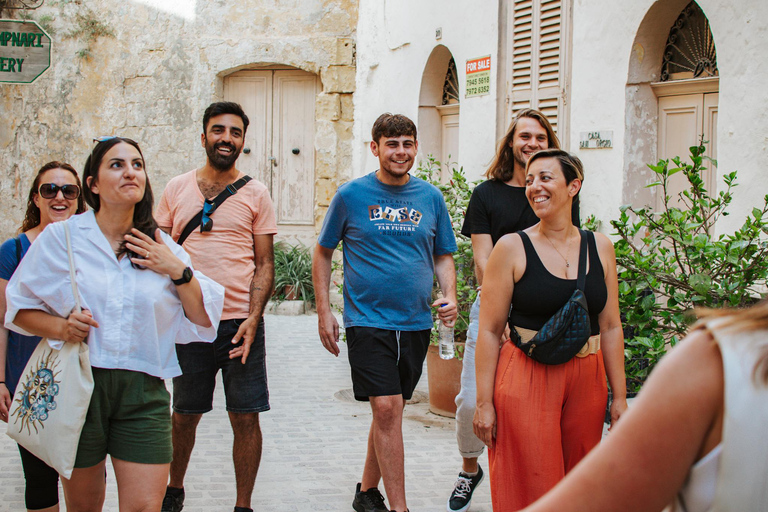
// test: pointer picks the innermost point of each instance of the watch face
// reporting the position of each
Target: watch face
(187, 275)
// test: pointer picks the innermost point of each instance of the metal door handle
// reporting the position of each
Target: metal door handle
(246, 150)
(273, 160)
(295, 151)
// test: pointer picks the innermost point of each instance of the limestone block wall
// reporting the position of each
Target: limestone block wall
(147, 70)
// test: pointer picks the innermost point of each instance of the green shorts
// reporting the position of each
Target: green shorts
(129, 418)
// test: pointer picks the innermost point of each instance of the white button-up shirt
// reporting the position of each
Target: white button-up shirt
(139, 312)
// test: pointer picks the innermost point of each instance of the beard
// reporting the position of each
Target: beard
(519, 158)
(221, 162)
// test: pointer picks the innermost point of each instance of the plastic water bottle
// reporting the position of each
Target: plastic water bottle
(446, 340)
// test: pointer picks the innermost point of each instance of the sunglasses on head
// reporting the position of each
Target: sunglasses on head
(206, 223)
(105, 138)
(50, 190)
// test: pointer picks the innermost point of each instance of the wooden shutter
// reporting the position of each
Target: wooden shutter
(537, 78)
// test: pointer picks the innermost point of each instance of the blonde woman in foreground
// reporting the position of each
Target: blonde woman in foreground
(696, 436)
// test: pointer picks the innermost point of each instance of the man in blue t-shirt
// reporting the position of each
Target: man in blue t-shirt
(397, 235)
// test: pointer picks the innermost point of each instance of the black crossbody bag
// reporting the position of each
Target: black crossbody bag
(566, 332)
(231, 190)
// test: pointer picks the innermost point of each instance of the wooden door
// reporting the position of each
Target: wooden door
(683, 119)
(450, 145)
(253, 91)
(293, 132)
(279, 144)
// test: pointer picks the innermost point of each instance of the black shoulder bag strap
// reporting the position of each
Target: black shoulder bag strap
(582, 279)
(18, 249)
(231, 190)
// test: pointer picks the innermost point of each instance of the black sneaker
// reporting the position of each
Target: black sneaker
(462, 491)
(173, 502)
(369, 501)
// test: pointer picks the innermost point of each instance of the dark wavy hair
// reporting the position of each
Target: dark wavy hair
(142, 212)
(503, 166)
(392, 125)
(224, 107)
(32, 216)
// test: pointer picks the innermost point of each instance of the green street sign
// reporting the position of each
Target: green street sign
(25, 51)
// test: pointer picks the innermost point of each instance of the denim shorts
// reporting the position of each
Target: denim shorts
(385, 362)
(245, 385)
(129, 418)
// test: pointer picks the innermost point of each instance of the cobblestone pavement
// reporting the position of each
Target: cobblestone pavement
(314, 440)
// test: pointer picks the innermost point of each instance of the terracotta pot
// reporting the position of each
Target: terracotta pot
(290, 292)
(444, 382)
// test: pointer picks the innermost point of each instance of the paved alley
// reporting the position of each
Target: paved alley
(314, 440)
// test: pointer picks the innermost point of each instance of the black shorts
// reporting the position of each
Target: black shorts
(385, 362)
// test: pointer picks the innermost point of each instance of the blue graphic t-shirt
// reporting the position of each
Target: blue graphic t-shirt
(20, 347)
(390, 235)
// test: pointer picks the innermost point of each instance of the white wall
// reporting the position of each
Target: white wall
(394, 41)
(603, 35)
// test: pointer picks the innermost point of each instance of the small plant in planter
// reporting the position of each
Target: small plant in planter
(670, 262)
(456, 194)
(293, 274)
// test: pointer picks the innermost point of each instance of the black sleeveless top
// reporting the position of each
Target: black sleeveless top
(538, 294)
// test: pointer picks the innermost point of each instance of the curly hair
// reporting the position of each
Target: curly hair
(32, 216)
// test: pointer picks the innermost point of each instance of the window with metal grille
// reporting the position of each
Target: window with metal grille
(690, 50)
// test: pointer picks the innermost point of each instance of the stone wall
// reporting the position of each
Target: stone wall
(147, 70)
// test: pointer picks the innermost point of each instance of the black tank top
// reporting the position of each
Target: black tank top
(538, 294)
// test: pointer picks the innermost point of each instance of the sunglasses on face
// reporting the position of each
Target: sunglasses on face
(206, 223)
(50, 190)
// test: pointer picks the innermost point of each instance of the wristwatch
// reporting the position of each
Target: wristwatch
(186, 277)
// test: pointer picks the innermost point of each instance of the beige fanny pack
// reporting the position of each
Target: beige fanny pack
(590, 347)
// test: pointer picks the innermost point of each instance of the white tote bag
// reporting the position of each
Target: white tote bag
(52, 397)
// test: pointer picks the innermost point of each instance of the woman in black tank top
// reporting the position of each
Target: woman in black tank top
(540, 420)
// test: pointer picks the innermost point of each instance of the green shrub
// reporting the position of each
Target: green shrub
(456, 194)
(670, 262)
(293, 269)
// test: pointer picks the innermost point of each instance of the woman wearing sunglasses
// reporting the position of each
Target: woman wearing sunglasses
(54, 196)
(140, 297)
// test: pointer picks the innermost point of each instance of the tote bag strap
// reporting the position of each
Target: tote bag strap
(72, 267)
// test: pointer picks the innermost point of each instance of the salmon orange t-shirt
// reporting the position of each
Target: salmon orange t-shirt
(226, 253)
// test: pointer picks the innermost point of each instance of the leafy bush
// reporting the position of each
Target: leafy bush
(293, 270)
(456, 193)
(670, 262)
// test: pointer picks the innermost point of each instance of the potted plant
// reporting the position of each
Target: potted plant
(445, 375)
(671, 262)
(293, 274)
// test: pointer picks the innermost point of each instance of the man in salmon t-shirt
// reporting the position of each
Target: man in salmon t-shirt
(233, 246)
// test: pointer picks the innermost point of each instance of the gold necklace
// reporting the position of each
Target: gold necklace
(567, 247)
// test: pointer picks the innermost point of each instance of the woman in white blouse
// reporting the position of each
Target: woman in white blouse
(139, 298)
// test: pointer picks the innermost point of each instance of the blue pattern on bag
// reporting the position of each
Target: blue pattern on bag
(37, 394)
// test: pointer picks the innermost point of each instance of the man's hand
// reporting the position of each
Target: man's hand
(446, 311)
(5, 402)
(328, 328)
(246, 332)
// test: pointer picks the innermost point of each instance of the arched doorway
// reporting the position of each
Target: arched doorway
(279, 146)
(672, 95)
(439, 110)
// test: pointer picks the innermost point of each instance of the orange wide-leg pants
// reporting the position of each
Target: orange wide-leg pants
(547, 418)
